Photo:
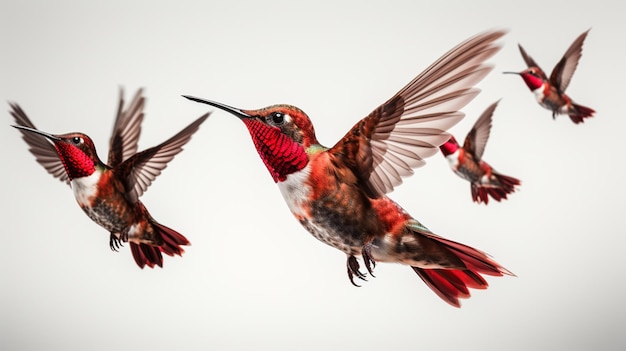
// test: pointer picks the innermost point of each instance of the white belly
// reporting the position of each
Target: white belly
(85, 188)
(295, 190)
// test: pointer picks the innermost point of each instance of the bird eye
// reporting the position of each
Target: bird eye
(278, 118)
(77, 140)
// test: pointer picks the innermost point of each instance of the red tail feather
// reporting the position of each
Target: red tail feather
(578, 113)
(148, 255)
(450, 285)
(454, 284)
(172, 240)
(145, 254)
(501, 187)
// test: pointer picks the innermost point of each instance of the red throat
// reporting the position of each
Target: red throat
(281, 154)
(533, 82)
(77, 164)
(449, 147)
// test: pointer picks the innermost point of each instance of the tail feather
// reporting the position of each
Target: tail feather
(454, 284)
(145, 254)
(172, 240)
(500, 187)
(475, 260)
(479, 193)
(150, 255)
(578, 113)
(451, 285)
(478, 261)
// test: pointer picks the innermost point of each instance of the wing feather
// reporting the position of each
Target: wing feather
(564, 70)
(141, 169)
(396, 137)
(42, 148)
(477, 138)
(126, 129)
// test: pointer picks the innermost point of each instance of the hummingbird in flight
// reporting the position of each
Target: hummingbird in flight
(109, 193)
(550, 92)
(339, 194)
(467, 162)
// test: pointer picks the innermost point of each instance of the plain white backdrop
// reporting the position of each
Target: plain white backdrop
(253, 278)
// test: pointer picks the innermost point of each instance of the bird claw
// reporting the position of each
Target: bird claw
(353, 264)
(353, 270)
(366, 252)
(115, 243)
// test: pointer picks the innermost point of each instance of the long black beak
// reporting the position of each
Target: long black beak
(36, 131)
(508, 72)
(235, 111)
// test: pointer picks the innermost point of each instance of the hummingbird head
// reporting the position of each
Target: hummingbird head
(76, 151)
(281, 135)
(449, 147)
(532, 77)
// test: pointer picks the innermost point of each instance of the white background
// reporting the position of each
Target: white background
(253, 278)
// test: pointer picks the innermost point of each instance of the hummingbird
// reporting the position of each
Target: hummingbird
(550, 92)
(467, 162)
(339, 194)
(109, 193)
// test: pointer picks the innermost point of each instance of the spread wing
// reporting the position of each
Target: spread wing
(126, 130)
(564, 70)
(530, 62)
(396, 137)
(476, 139)
(141, 169)
(42, 148)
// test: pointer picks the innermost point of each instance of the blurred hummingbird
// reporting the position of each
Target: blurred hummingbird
(550, 93)
(467, 162)
(109, 194)
(338, 193)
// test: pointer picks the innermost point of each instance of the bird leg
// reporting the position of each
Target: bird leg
(124, 234)
(353, 270)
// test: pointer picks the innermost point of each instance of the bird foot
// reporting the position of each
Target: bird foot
(366, 252)
(114, 242)
(353, 270)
